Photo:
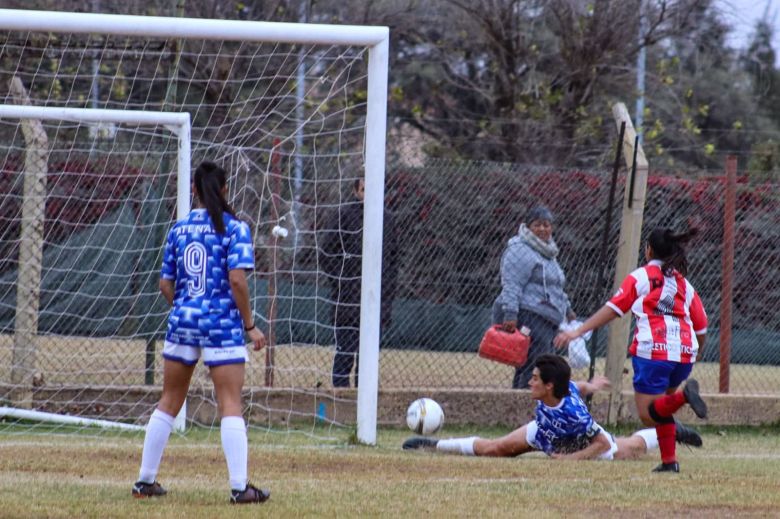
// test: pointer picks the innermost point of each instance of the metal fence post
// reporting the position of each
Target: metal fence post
(729, 216)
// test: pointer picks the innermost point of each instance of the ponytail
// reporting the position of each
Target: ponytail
(209, 181)
(667, 246)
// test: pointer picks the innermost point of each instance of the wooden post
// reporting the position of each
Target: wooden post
(276, 199)
(729, 216)
(628, 254)
(28, 283)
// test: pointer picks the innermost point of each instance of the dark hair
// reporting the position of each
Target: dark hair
(667, 246)
(209, 180)
(555, 369)
(541, 213)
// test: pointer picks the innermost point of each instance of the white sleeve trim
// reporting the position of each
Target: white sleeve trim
(700, 332)
(615, 308)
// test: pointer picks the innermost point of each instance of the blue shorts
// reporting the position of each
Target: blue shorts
(654, 377)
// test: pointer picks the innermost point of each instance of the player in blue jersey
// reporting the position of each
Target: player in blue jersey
(203, 278)
(563, 427)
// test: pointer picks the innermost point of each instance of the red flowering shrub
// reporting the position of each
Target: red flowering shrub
(79, 192)
(454, 220)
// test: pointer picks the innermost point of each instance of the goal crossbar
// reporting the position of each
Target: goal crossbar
(175, 120)
(158, 26)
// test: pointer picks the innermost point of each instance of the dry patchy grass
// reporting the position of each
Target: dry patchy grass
(75, 476)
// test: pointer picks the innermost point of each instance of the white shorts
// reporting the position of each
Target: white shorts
(532, 428)
(189, 355)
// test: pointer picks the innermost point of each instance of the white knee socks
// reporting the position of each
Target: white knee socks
(157, 432)
(234, 443)
(650, 437)
(463, 446)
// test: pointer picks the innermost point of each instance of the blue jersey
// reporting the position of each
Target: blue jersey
(204, 312)
(567, 427)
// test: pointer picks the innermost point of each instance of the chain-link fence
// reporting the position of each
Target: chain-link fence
(447, 225)
(455, 219)
(450, 221)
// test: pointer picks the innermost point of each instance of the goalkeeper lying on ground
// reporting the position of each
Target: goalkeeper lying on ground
(563, 428)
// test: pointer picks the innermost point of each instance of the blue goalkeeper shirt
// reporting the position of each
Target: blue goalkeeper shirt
(567, 427)
(204, 311)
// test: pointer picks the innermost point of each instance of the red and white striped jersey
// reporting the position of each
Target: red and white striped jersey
(669, 314)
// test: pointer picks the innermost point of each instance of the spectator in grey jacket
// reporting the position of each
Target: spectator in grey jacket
(532, 288)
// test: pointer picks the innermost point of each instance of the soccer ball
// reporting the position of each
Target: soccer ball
(424, 416)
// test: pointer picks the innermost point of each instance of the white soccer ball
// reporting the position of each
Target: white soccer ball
(424, 416)
(279, 232)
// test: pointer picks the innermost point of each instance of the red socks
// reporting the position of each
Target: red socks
(667, 405)
(666, 437)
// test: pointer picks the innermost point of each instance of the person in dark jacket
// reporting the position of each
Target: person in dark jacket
(342, 260)
(532, 288)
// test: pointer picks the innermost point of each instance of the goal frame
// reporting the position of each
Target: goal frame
(177, 123)
(376, 39)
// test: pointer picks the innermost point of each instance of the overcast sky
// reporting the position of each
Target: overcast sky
(743, 14)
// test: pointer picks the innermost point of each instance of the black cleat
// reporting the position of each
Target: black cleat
(418, 442)
(668, 467)
(142, 490)
(691, 393)
(687, 435)
(251, 494)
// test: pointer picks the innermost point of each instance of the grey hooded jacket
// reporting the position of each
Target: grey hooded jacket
(532, 282)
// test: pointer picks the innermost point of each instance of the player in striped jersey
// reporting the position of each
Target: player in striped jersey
(671, 327)
(563, 427)
(203, 278)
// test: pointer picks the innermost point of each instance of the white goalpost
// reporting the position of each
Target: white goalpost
(296, 112)
(28, 288)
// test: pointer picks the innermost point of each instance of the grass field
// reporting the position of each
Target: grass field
(736, 473)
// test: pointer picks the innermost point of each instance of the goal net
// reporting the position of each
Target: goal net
(295, 113)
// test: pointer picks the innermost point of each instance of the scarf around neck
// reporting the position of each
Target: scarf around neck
(547, 249)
